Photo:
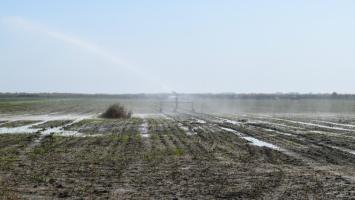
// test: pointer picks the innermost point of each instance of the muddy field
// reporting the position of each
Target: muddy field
(178, 156)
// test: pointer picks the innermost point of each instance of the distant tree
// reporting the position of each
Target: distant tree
(334, 94)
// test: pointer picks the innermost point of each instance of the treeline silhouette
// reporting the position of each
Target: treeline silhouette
(275, 96)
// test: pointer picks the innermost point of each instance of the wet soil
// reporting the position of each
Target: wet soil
(212, 163)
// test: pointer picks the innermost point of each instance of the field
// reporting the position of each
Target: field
(59, 148)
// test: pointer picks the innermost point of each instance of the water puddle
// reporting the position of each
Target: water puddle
(278, 132)
(143, 129)
(253, 140)
(45, 131)
(232, 131)
(186, 129)
(335, 124)
(260, 143)
(149, 115)
(223, 120)
(47, 117)
(200, 121)
(59, 131)
(275, 125)
(21, 129)
(315, 125)
(167, 117)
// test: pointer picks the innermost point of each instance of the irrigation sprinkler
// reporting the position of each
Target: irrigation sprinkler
(173, 101)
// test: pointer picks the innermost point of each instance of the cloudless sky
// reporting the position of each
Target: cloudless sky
(183, 45)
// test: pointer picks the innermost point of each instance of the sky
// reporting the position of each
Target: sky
(184, 46)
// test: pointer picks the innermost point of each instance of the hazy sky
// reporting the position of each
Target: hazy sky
(186, 46)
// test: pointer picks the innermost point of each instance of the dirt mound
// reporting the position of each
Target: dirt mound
(116, 111)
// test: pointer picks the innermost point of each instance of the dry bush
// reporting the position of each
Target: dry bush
(116, 111)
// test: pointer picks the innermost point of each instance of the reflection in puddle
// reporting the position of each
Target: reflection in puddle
(252, 140)
(21, 129)
(45, 131)
(186, 129)
(143, 129)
